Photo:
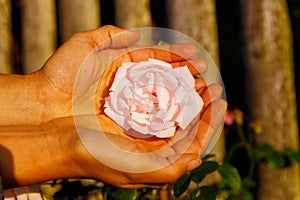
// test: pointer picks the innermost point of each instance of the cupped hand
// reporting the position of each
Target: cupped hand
(93, 56)
(131, 162)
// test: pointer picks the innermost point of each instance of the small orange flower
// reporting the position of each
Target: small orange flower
(256, 126)
(238, 116)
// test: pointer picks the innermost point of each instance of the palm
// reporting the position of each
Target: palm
(62, 75)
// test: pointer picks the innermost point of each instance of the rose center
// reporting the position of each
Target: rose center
(144, 106)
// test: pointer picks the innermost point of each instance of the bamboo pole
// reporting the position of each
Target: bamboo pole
(77, 16)
(133, 13)
(271, 91)
(5, 37)
(38, 32)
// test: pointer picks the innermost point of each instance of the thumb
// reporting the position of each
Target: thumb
(113, 37)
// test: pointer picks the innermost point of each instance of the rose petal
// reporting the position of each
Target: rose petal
(162, 96)
(157, 125)
(172, 111)
(139, 128)
(186, 74)
(160, 62)
(140, 118)
(166, 133)
(119, 119)
(180, 95)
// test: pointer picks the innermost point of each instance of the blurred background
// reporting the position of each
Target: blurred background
(255, 43)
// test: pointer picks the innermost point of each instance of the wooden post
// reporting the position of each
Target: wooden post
(5, 37)
(77, 16)
(271, 91)
(133, 13)
(38, 32)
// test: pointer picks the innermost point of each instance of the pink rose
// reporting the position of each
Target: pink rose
(151, 98)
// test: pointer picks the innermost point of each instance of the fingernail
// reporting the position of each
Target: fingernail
(193, 164)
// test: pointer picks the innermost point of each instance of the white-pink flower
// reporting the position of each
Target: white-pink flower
(151, 98)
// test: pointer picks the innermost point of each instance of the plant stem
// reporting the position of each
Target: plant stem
(234, 148)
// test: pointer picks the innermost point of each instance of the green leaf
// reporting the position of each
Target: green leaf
(204, 193)
(288, 151)
(182, 184)
(205, 168)
(276, 160)
(121, 194)
(262, 151)
(45, 197)
(296, 157)
(246, 194)
(195, 195)
(243, 194)
(248, 182)
(230, 176)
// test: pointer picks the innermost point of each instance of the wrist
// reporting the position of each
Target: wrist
(57, 100)
(35, 154)
(20, 99)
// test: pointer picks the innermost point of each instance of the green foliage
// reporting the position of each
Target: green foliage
(197, 175)
(203, 193)
(233, 186)
(113, 193)
(205, 168)
(267, 154)
(230, 176)
(182, 184)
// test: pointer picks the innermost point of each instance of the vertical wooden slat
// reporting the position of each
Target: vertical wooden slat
(5, 37)
(197, 19)
(271, 91)
(133, 13)
(77, 16)
(38, 32)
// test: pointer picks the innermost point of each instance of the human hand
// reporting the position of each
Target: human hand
(140, 162)
(93, 57)
(60, 150)
(198, 134)
(123, 162)
(58, 81)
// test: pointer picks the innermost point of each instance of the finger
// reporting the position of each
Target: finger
(167, 53)
(210, 120)
(112, 37)
(142, 185)
(200, 84)
(213, 117)
(200, 133)
(169, 174)
(196, 66)
(214, 113)
(210, 93)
